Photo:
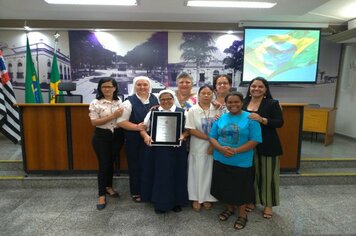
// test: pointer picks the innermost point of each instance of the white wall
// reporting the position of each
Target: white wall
(346, 94)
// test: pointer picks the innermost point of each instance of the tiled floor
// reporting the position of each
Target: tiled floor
(304, 210)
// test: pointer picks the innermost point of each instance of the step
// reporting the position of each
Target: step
(320, 162)
(302, 178)
(11, 165)
(66, 181)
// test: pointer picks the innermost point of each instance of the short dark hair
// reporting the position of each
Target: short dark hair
(99, 93)
(234, 93)
(215, 79)
(184, 75)
(206, 86)
(265, 83)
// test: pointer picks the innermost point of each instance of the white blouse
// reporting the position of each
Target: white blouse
(101, 108)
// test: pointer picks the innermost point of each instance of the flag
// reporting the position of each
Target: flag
(32, 87)
(275, 54)
(9, 114)
(54, 81)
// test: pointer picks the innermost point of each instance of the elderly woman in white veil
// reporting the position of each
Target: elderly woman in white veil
(136, 107)
(164, 176)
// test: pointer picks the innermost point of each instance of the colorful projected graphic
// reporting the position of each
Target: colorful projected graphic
(281, 55)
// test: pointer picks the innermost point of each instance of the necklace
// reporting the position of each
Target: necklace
(206, 111)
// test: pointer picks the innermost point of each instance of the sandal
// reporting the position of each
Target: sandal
(223, 216)
(112, 193)
(240, 223)
(136, 198)
(207, 205)
(196, 206)
(250, 208)
(267, 213)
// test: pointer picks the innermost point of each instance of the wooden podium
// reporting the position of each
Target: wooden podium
(57, 138)
(291, 135)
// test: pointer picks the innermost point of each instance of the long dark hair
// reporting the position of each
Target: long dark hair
(99, 93)
(265, 83)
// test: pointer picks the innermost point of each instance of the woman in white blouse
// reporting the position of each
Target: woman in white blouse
(103, 113)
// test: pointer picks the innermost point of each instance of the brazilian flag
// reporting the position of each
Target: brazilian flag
(32, 86)
(54, 81)
(275, 54)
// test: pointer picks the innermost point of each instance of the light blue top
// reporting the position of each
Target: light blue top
(234, 131)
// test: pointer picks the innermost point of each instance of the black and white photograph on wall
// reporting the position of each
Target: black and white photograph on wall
(86, 56)
(159, 55)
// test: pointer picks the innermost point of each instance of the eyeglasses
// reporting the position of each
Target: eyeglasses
(107, 87)
(222, 83)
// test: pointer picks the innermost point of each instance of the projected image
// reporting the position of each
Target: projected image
(281, 55)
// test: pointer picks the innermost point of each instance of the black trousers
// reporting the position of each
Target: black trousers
(107, 146)
(134, 150)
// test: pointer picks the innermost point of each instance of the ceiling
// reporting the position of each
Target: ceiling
(311, 11)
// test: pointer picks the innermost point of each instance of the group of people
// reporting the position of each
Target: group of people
(229, 148)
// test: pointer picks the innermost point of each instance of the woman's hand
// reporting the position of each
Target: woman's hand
(118, 113)
(216, 104)
(141, 127)
(227, 151)
(148, 140)
(255, 116)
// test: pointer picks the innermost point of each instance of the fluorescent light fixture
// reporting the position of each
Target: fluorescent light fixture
(236, 4)
(95, 2)
(27, 28)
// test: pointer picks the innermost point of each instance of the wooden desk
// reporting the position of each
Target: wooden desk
(320, 120)
(57, 138)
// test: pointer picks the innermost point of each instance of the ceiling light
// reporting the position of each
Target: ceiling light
(95, 2)
(237, 4)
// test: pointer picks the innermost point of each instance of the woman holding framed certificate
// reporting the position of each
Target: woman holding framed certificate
(136, 107)
(164, 178)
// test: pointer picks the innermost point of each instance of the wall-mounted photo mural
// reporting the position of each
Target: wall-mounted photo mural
(86, 56)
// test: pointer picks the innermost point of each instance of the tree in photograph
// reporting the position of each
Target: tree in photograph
(197, 48)
(235, 57)
(150, 55)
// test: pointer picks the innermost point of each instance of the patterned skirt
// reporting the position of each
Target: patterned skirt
(267, 180)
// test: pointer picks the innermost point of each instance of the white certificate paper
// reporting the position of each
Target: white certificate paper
(166, 129)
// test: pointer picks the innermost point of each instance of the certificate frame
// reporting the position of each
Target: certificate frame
(166, 128)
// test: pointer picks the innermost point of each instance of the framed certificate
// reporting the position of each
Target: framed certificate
(166, 128)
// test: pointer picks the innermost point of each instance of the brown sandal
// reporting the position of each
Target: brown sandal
(267, 214)
(223, 216)
(207, 205)
(250, 208)
(240, 223)
(196, 206)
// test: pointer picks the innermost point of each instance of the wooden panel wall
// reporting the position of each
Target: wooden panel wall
(45, 138)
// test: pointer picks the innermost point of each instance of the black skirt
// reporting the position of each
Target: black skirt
(232, 184)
